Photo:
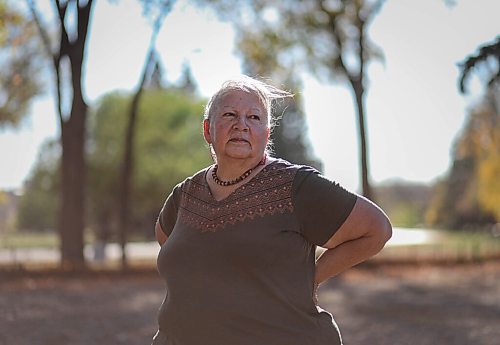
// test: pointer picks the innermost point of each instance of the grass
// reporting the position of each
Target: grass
(449, 246)
(471, 245)
(14, 240)
(29, 240)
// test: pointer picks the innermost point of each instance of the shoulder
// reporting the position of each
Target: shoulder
(296, 173)
(279, 165)
(195, 181)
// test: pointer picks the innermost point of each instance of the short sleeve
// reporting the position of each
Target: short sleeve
(320, 205)
(168, 213)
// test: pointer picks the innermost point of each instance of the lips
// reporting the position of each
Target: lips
(239, 140)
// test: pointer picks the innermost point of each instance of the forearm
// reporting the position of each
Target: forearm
(344, 256)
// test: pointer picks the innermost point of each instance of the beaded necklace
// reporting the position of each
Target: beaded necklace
(239, 178)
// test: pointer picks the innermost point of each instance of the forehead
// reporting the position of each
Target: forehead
(240, 99)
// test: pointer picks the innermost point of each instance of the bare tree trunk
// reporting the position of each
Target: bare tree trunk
(127, 169)
(72, 208)
(358, 88)
(128, 155)
(71, 214)
(363, 147)
(72, 196)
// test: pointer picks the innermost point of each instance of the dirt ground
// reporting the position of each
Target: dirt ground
(372, 305)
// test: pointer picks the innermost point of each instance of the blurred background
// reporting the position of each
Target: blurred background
(101, 108)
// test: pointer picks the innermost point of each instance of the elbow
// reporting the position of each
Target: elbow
(381, 233)
(384, 232)
(387, 231)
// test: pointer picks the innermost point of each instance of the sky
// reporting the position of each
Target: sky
(413, 108)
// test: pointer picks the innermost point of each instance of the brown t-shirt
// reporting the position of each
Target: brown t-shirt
(240, 271)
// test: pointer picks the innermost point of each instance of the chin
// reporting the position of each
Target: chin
(239, 153)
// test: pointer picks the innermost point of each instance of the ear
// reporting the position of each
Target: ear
(206, 131)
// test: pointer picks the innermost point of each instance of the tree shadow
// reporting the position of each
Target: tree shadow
(117, 310)
(388, 310)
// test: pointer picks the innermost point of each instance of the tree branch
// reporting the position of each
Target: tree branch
(486, 51)
(53, 57)
(334, 32)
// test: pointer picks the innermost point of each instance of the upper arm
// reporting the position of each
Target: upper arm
(161, 237)
(168, 216)
(365, 220)
(321, 205)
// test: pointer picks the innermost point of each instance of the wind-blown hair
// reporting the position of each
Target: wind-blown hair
(267, 94)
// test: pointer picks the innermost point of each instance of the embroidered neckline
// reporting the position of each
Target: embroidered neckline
(237, 191)
(266, 194)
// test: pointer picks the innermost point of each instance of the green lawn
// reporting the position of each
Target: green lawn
(41, 240)
(448, 246)
(29, 240)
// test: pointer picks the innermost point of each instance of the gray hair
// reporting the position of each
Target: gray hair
(267, 94)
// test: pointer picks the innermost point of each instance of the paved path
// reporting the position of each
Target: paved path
(149, 250)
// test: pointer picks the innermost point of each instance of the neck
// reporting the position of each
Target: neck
(232, 169)
(227, 175)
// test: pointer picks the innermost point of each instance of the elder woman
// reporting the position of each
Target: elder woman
(238, 238)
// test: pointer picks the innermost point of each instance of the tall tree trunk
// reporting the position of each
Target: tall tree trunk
(358, 90)
(71, 214)
(128, 155)
(356, 80)
(72, 195)
(128, 159)
(72, 210)
(126, 175)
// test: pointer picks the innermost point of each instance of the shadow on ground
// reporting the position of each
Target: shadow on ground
(376, 305)
(418, 305)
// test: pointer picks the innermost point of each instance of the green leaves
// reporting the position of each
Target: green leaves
(20, 72)
(169, 146)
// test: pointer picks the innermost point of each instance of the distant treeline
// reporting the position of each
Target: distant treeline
(468, 196)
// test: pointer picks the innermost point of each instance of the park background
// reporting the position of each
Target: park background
(433, 154)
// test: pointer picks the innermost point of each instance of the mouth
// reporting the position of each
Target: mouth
(238, 140)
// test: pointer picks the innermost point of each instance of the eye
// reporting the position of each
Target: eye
(229, 114)
(255, 117)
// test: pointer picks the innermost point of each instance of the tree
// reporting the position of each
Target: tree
(485, 121)
(488, 169)
(470, 194)
(330, 38)
(461, 200)
(73, 18)
(20, 72)
(67, 65)
(169, 146)
(37, 205)
(128, 156)
(487, 56)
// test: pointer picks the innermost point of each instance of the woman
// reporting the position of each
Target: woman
(239, 237)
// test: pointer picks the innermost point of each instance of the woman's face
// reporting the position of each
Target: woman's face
(238, 126)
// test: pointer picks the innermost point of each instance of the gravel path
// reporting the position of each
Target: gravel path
(383, 305)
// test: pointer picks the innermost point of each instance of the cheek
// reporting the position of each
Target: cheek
(219, 132)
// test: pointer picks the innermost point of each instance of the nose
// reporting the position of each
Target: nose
(241, 124)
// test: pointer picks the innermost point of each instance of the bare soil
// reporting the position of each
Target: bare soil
(373, 305)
